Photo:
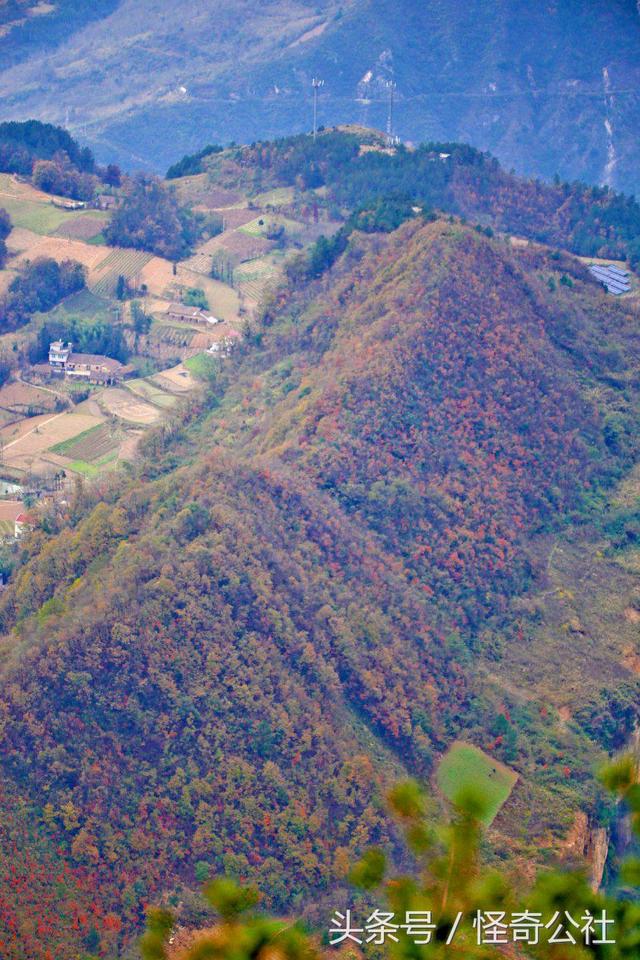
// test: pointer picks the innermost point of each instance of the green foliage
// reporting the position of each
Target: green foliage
(192, 163)
(286, 600)
(66, 445)
(369, 872)
(87, 336)
(24, 143)
(587, 220)
(42, 284)
(5, 230)
(150, 218)
(452, 884)
(141, 320)
(5, 224)
(60, 177)
(228, 899)
(222, 268)
(195, 297)
(203, 366)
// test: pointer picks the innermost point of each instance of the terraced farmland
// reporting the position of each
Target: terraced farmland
(91, 445)
(151, 392)
(200, 263)
(125, 263)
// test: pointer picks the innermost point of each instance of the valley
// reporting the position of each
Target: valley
(548, 89)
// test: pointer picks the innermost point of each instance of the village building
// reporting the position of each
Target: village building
(14, 519)
(92, 367)
(65, 203)
(185, 314)
(223, 347)
(22, 523)
(106, 201)
(59, 354)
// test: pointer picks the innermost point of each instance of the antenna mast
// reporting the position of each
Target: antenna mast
(390, 137)
(316, 84)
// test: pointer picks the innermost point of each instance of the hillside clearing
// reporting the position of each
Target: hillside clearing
(465, 767)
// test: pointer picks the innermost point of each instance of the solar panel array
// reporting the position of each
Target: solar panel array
(615, 279)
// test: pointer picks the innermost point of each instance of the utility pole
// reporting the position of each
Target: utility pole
(390, 138)
(316, 84)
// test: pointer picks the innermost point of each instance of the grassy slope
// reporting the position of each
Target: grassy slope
(465, 767)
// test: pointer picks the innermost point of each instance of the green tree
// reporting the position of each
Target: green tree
(451, 883)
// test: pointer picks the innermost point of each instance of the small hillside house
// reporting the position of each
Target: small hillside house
(92, 367)
(59, 354)
(13, 519)
(185, 314)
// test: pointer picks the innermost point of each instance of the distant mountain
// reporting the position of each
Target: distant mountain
(549, 88)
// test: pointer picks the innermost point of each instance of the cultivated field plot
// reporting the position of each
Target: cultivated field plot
(465, 767)
(11, 186)
(84, 303)
(259, 276)
(21, 240)
(259, 226)
(200, 263)
(219, 198)
(202, 341)
(153, 392)
(198, 190)
(177, 379)
(91, 445)
(242, 245)
(40, 217)
(27, 245)
(202, 365)
(119, 262)
(21, 397)
(83, 227)
(237, 217)
(125, 405)
(170, 335)
(274, 198)
(158, 275)
(26, 443)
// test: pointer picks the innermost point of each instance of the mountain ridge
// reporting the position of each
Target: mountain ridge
(545, 89)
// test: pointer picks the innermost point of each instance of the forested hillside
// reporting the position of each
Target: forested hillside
(314, 583)
(354, 171)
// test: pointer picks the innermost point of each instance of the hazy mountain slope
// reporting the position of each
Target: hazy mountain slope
(548, 88)
(222, 664)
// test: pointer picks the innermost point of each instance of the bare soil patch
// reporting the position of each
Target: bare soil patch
(59, 248)
(123, 404)
(82, 228)
(21, 396)
(244, 246)
(177, 379)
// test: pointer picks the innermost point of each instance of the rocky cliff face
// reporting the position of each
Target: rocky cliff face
(587, 845)
(547, 88)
